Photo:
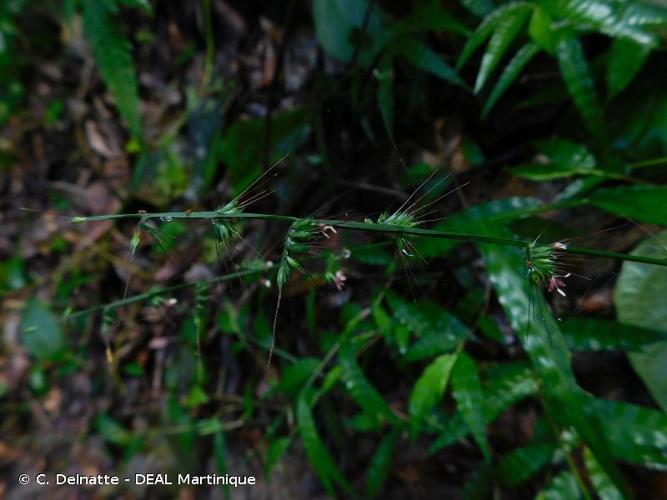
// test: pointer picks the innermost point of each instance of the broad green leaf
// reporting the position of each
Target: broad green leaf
(519, 465)
(361, 390)
(41, 333)
(506, 30)
(589, 334)
(636, 434)
(378, 469)
(645, 202)
(603, 486)
(540, 336)
(513, 69)
(429, 389)
(640, 300)
(579, 82)
(346, 28)
(424, 58)
(625, 60)
(562, 487)
(113, 56)
(318, 454)
(539, 172)
(559, 158)
(469, 395)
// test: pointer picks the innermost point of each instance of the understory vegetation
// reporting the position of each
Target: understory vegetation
(354, 248)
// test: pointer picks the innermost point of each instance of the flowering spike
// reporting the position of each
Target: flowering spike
(296, 242)
(543, 266)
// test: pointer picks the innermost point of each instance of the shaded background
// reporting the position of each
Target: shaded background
(127, 106)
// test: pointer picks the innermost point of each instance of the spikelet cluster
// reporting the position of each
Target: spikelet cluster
(300, 233)
(544, 264)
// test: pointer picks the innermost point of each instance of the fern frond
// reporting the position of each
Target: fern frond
(113, 55)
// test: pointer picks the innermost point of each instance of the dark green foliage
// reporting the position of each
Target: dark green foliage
(319, 455)
(469, 395)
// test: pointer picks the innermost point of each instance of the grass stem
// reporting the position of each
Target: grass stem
(368, 227)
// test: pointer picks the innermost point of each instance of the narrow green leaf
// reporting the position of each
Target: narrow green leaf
(276, 449)
(558, 158)
(540, 336)
(579, 82)
(519, 465)
(625, 60)
(361, 390)
(420, 55)
(506, 30)
(541, 30)
(469, 396)
(588, 334)
(443, 337)
(113, 55)
(646, 14)
(615, 19)
(528, 313)
(645, 203)
(479, 7)
(112, 431)
(409, 314)
(139, 4)
(562, 487)
(487, 26)
(318, 454)
(378, 469)
(513, 69)
(635, 434)
(603, 486)
(431, 15)
(508, 384)
(385, 77)
(640, 300)
(429, 389)
(294, 376)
